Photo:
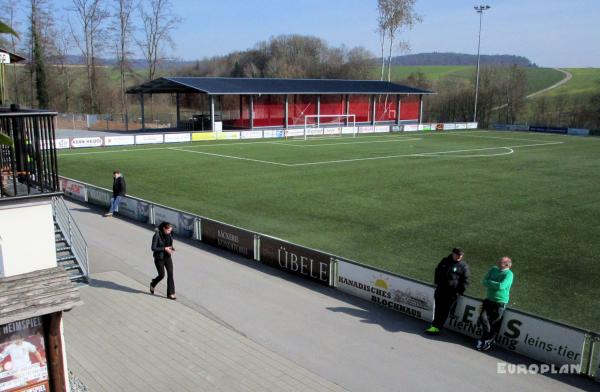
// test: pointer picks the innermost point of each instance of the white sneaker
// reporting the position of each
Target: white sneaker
(487, 344)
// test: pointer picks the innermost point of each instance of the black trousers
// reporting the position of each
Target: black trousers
(491, 318)
(444, 300)
(161, 264)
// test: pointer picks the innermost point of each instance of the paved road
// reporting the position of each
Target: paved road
(335, 340)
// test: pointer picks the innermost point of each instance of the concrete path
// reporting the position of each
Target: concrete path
(238, 325)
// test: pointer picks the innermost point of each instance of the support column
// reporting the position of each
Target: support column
(251, 111)
(178, 112)
(285, 112)
(212, 113)
(373, 110)
(143, 115)
(54, 352)
(347, 109)
(318, 110)
(420, 108)
(397, 109)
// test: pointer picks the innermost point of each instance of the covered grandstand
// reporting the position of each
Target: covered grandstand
(248, 103)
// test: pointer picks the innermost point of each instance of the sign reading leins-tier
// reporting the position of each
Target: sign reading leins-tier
(308, 263)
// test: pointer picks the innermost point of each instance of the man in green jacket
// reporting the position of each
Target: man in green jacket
(497, 281)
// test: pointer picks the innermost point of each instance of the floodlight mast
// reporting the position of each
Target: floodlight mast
(479, 9)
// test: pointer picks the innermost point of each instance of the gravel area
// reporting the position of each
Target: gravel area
(76, 384)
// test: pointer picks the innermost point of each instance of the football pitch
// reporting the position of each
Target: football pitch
(399, 202)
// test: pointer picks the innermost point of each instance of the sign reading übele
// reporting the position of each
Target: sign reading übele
(307, 263)
(228, 237)
(393, 292)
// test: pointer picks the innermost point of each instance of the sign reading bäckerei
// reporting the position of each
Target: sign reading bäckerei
(393, 292)
(228, 237)
(533, 337)
(307, 263)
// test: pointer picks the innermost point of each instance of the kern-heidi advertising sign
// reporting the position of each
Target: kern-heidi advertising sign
(228, 237)
(307, 263)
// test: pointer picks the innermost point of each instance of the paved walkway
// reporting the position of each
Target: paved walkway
(238, 325)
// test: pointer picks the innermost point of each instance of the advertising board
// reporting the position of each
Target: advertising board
(73, 189)
(61, 143)
(134, 209)
(304, 262)
(177, 137)
(119, 140)
(366, 129)
(472, 125)
(81, 142)
(251, 135)
(149, 139)
(99, 197)
(382, 128)
(411, 127)
(228, 135)
(200, 136)
(449, 126)
(461, 125)
(399, 294)
(228, 237)
(183, 224)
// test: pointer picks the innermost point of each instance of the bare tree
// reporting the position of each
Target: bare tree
(91, 16)
(394, 17)
(157, 25)
(10, 7)
(123, 31)
(63, 45)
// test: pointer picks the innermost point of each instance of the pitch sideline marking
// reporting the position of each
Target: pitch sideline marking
(229, 156)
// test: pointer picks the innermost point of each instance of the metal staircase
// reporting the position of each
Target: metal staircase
(71, 248)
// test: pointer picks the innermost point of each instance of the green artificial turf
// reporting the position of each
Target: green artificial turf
(375, 200)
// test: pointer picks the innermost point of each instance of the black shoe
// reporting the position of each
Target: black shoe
(151, 289)
(487, 344)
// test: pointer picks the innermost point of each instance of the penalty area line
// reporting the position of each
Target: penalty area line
(228, 156)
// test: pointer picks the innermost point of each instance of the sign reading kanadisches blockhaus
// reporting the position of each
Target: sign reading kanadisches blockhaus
(228, 237)
(23, 356)
(308, 263)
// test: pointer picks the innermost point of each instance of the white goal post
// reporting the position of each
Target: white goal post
(345, 126)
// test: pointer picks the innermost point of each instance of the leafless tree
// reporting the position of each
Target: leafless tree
(91, 16)
(10, 11)
(158, 22)
(394, 16)
(122, 26)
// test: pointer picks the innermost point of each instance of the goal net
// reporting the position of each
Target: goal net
(316, 125)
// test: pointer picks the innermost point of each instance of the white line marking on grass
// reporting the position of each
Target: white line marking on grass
(229, 156)
(496, 137)
(424, 154)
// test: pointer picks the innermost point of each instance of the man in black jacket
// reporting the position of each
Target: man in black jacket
(119, 190)
(451, 279)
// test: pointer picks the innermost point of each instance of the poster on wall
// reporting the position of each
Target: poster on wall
(305, 262)
(99, 197)
(228, 237)
(119, 140)
(79, 142)
(23, 356)
(61, 144)
(183, 224)
(149, 139)
(393, 292)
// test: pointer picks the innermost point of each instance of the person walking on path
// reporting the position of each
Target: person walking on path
(162, 248)
(119, 190)
(451, 280)
(498, 281)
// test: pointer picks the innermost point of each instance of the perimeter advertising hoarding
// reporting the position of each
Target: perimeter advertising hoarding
(367, 129)
(183, 224)
(472, 125)
(79, 142)
(461, 125)
(99, 197)
(177, 137)
(402, 295)
(411, 127)
(439, 127)
(119, 140)
(23, 356)
(382, 128)
(134, 209)
(313, 131)
(228, 135)
(200, 136)
(149, 139)
(276, 133)
(73, 189)
(228, 237)
(348, 130)
(293, 132)
(533, 337)
(304, 262)
(332, 131)
(449, 127)
(251, 135)
(61, 144)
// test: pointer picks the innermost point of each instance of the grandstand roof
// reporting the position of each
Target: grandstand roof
(252, 86)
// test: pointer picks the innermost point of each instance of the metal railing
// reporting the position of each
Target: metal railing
(30, 165)
(71, 233)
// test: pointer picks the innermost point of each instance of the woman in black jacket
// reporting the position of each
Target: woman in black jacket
(162, 248)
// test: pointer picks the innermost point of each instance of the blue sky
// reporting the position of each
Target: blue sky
(549, 32)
